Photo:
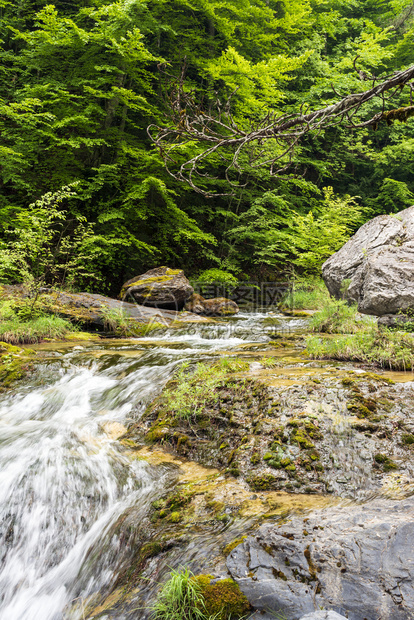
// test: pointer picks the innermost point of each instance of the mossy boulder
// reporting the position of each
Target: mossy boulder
(161, 287)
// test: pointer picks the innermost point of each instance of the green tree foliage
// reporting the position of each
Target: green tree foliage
(80, 82)
(47, 245)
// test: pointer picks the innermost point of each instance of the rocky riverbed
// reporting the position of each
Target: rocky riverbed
(230, 453)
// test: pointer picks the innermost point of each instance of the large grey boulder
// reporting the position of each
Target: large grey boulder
(161, 287)
(375, 268)
(355, 560)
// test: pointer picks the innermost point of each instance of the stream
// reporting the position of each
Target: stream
(64, 479)
(67, 484)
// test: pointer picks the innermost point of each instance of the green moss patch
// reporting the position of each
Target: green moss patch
(223, 599)
(360, 405)
(407, 439)
(385, 462)
(235, 543)
(171, 508)
(15, 363)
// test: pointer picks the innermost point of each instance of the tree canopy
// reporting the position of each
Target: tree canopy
(81, 82)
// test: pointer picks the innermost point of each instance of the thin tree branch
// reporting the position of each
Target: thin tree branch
(216, 131)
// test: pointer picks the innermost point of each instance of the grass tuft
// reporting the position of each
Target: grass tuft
(194, 388)
(15, 331)
(116, 320)
(180, 599)
(20, 323)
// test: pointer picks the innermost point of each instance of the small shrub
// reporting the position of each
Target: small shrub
(217, 276)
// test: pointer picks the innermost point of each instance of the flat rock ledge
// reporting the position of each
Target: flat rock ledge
(89, 309)
(357, 561)
(323, 615)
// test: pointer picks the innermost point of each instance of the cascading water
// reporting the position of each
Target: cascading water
(64, 482)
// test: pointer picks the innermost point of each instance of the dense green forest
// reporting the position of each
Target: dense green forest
(85, 198)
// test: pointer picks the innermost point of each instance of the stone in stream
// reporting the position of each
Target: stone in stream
(161, 287)
(356, 560)
(218, 306)
(375, 268)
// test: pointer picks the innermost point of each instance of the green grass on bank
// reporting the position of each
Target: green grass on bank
(25, 320)
(384, 348)
(15, 331)
(307, 294)
(357, 338)
(21, 322)
(337, 317)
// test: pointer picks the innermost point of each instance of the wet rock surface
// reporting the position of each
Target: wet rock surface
(356, 560)
(161, 287)
(218, 306)
(375, 267)
(344, 433)
(396, 321)
(323, 615)
(196, 523)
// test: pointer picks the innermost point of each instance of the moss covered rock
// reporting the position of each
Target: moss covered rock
(15, 363)
(223, 599)
(161, 287)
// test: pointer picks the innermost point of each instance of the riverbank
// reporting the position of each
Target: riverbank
(27, 317)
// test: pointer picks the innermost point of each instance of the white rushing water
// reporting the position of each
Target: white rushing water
(64, 482)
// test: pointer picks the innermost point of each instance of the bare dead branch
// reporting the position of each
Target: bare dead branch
(196, 122)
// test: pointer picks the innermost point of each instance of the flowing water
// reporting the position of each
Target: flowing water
(65, 481)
